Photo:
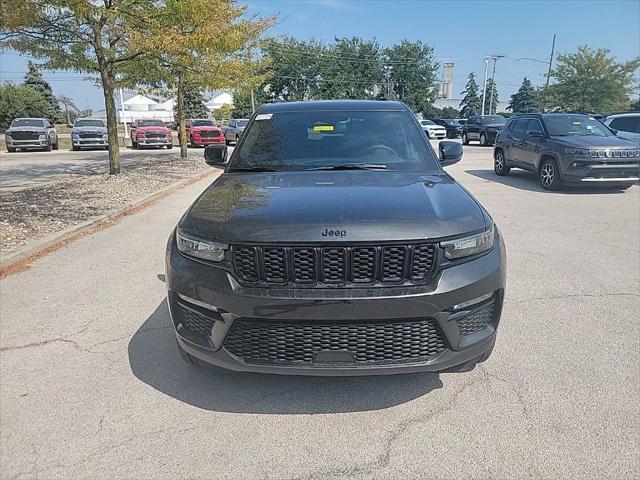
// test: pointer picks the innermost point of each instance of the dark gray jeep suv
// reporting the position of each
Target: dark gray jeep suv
(566, 149)
(335, 244)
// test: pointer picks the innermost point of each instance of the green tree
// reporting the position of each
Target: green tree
(67, 103)
(33, 78)
(20, 101)
(80, 35)
(524, 100)
(194, 106)
(205, 43)
(491, 105)
(593, 81)
(471, 103)
(413, 73)
(635, 106)
(450, 112)
(242, 104)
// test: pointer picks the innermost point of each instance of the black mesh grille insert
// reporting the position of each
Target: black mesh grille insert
(422, 261)
(333, 265)
(345, 266)
(25, 135)
(275, 265)
(477, 320)
(245, 263)
(392, 341)
(196, 322)
(393, 263)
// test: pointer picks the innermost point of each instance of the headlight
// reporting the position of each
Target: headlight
(7, 134)
(42, 136)
(105, 135)
(576, 151)
(211, 251)
(75, 135)
(467, 246)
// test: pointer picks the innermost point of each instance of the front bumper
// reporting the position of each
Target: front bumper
(189, 280)
(599, 173)
(208, 140)
(26, 143)
(154, 141)
(89, 142)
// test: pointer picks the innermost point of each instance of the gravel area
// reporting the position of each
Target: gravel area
(31, 214)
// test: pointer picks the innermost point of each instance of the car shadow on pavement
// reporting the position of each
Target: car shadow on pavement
(529, 181)
(155, 360)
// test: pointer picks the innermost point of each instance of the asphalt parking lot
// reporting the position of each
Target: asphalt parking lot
(93, 386)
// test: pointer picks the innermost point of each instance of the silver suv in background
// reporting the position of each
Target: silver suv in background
(89, 133)
(233, 130)
(625, 125)
(31, 133)
(566, 149)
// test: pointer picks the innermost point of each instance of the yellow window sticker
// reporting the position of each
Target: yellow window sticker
(323, 128)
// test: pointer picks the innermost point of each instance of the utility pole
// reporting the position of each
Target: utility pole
(493, 83)
(484, 87)
(253, 102)
(546, 87)
(124, 120)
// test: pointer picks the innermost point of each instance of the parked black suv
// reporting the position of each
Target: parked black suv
(567, 149)
(335, 244)
(483, 128)
(454, 128)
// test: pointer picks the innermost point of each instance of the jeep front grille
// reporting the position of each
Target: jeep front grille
(334, 266)
(359, 342)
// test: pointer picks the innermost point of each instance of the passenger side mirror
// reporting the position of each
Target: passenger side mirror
(535, 134)
(215, 155)
(450, 152)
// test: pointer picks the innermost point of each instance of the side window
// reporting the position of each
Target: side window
(534, 125)
(47, 124)
(472, 121)
(518, 126)
(626, 124)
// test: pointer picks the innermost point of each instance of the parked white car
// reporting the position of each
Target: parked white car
(432, 130)
(627, 125)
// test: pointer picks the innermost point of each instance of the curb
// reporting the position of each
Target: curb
(23, 257)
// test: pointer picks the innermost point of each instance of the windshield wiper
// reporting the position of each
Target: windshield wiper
(351, 166)
(253, 169)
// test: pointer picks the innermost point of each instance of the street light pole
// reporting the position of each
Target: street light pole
(484, 88)
(546, 87)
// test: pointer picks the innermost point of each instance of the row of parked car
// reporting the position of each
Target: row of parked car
(91, 133)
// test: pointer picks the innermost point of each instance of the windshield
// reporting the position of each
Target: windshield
(203, 123)
(453, 123)
(575, 126)
(427, 122)
(317, 139)
(27, 122)
(242, 123)
(89, 123)
(150, 123)
(494, 120)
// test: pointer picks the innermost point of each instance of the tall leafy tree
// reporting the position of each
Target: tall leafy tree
(81, 35)
(491, 105)
(194, 106)
(413, 73)
(20, 101)
(592, 80)
(34, 78)
(242, 104)
(524, 100)
(204, 43)
(470, 103)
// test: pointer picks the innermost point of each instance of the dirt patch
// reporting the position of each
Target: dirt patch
(29, 215)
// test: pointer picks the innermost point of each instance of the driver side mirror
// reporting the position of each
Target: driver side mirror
(535, 134)
(215, 155)
(450, 152)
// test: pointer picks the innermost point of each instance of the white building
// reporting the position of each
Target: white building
(218, 99)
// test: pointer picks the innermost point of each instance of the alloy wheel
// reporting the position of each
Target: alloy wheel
(547, 175)
(499, 163)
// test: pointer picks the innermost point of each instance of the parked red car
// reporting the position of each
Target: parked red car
(150, 132)
(202, 131)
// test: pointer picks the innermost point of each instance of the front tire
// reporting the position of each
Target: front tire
(75, 148)
(483, 140)
(465, 139)
(500, 166)
(192, 142)
(11, 149)
(56, 145)
(138, 146)
(170, 146)
(237, 139)
(549, 175)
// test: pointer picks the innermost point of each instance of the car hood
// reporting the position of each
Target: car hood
(89, 129)
(496, 126)
(437, 127)
(208, 127)
(153, 129)
(26, 129)
(293, 207)
(592, 141)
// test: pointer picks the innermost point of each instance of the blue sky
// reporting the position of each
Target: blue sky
(460, 31)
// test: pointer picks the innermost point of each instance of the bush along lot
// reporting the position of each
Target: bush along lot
(34, 213)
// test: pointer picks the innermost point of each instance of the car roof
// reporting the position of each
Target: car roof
(29, 118)
(625, 114)
(335, 105)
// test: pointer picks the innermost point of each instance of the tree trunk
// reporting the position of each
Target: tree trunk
(107, 76)
(182, 129)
